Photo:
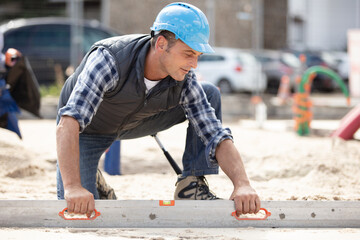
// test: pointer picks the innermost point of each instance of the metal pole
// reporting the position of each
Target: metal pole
(168, 156)
(357, 14)
(76, 15)
(257, 25)
(105, 12)
(210, 13)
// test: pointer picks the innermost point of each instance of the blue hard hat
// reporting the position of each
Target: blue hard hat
(187, 22)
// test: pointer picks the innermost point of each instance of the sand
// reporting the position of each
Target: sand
(280, 164)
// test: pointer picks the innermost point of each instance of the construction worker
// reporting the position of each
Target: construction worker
(8, 59)
(137, 85)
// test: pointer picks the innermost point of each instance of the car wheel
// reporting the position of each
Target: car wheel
(273, 86)
(225, 86)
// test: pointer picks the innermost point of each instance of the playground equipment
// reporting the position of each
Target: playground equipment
(302, 103)
(349, 124)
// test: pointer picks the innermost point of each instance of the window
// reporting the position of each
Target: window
(51, 37)
(17, 38)
(211, 58)
(92, 35)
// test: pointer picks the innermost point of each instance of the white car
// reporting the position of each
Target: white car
(232, 70)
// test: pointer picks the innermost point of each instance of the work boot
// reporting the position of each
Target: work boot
(104, 190)
(193, 188)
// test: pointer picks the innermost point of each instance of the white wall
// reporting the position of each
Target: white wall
(325, 23)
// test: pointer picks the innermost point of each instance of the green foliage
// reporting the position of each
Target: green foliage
(51, 90)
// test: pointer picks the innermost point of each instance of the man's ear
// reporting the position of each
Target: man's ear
(161, 43)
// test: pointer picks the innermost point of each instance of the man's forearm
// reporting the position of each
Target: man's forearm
(231, 163)
(245, 197)
(67, 144)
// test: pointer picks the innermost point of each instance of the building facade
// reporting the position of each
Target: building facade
(321, 24)
(234, 23)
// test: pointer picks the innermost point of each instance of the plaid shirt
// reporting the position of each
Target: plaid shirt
(100, 75)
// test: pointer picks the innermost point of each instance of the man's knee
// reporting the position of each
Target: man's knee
(212, 95)
(211, 90)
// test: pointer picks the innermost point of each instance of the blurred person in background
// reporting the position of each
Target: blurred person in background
(2, 56)
(8, 106)
(20, 80)
(9, 59)
(18, 88)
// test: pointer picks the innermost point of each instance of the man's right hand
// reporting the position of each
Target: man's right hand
(79, 200)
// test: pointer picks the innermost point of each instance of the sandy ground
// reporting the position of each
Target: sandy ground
(280, 165)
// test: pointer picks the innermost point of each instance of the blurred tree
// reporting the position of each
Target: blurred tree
(10, 9)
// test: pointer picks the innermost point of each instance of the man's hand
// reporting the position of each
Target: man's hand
(79, 200)
(246, 200)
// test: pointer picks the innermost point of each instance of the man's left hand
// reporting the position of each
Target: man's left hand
(246, 200)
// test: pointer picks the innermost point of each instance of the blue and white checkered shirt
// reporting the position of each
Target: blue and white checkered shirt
(100, 75)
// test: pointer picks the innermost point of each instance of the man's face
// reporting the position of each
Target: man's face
(177, 60)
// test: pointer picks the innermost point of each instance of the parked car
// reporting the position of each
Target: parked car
(344, 68)
(339, 62)
(277, 64)
(232, 70)
(46, 42)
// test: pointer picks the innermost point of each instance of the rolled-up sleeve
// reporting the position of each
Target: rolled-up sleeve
(98, 76)
(202, 117)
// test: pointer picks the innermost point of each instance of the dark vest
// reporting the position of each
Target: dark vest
(125, 106)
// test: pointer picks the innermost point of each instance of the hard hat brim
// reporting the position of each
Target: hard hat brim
(200, 47)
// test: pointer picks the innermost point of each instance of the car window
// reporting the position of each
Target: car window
(291, 60)
(211, 58)
(17, 38)
(313, 60)
(92, 35)
(245, 58)
(263, 59)
(51, 37)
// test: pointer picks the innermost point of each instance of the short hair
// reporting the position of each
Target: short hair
(169, 36)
